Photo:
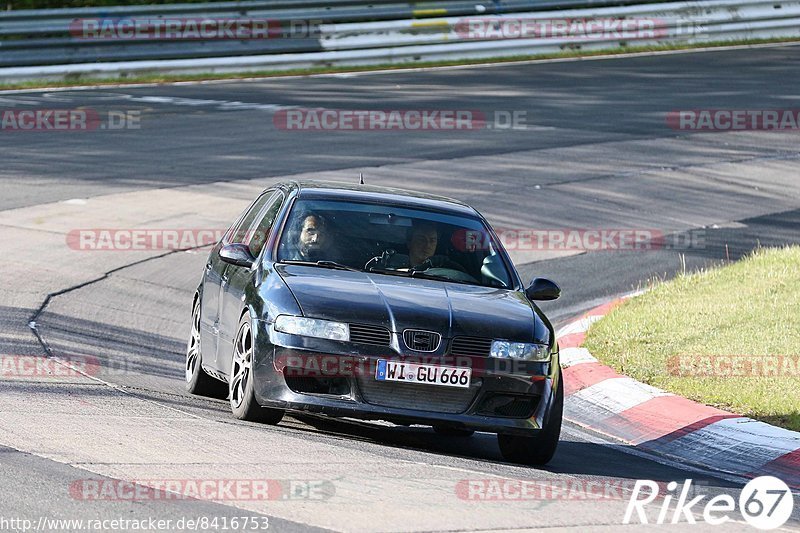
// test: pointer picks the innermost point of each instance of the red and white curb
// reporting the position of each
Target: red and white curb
(660, 422)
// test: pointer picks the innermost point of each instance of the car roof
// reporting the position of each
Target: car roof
(313, 189)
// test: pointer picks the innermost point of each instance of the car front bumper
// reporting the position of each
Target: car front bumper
(309, 375)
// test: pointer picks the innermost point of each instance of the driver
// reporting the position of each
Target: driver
(313, 239)
(421, 240)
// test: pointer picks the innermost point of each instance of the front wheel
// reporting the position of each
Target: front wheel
(536, 450)
(243, 402)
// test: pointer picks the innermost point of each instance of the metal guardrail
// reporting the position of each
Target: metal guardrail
(43, 37)
(350, 32)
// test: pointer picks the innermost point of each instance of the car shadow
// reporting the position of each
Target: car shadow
(574, 456)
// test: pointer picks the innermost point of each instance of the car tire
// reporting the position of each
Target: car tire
(197, 381)
(450, 431)
(538, 449)
(240, 389)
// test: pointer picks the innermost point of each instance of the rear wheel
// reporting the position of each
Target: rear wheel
(197, 381)
(241, 396)
(539, 448)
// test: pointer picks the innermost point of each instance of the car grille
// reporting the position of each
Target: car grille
(474, 346)
(366, 334)
(421, 341)
(431, 398)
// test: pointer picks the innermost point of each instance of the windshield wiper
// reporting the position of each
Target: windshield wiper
(323, 264)
(390, 272)
(423, 275)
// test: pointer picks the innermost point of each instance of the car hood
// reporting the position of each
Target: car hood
(399, 303)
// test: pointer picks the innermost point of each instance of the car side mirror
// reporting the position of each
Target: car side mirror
(237, 254)
(543, 289)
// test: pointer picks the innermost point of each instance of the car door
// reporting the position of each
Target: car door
(209, 309)
(237, 278)
(214, 278)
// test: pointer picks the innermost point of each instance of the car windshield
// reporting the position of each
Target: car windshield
(393, 241)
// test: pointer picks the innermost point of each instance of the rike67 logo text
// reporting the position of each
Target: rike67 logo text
(765, 503)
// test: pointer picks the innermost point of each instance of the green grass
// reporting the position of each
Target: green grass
(566, 54)
(749, 308)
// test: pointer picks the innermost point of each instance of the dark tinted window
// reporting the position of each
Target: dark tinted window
(257, 238)
(238, 233)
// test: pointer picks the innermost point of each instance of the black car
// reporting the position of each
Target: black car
(377, 303)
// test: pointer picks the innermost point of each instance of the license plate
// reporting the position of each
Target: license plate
(446, 376)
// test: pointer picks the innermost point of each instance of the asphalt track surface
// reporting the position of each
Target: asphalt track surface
(594, 152)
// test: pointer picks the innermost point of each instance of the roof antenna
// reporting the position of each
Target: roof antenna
(361, 178)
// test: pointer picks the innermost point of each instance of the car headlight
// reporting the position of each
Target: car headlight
(312, 327)
(523, 351)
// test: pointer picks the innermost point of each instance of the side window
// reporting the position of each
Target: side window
(258, 237)
(238, 233)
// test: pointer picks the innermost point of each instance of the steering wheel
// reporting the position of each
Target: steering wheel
(451, 273)
(382, 260)
(443, 263)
